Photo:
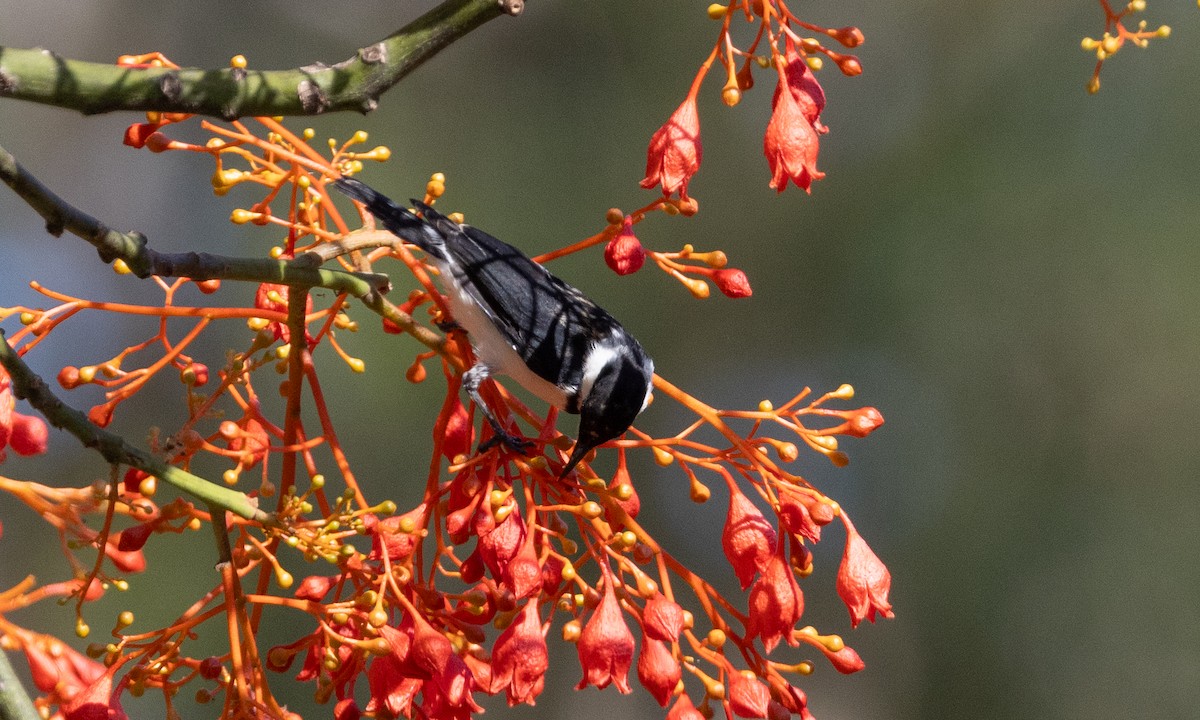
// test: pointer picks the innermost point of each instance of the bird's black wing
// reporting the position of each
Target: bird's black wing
(550, 323)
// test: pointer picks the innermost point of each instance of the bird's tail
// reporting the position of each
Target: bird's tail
(397, 219)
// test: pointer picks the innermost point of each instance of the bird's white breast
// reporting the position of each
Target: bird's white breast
(491, 347)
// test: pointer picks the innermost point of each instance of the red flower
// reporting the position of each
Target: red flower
(606, 646)
(791, 145)
(747, 697)
(732, 282)
(624, 253)
(776, 604)
(662, 618)
(271, 296)
(393, 534)
(802, 83)
(684, 710)
(863, 581)
(459, 433)
(389, 677)
(523, 574)
(675, 151)
(520, 659)
(802, 514)
(658, 670)
(435, 656)
(748, 539)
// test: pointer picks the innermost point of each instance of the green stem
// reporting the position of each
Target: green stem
(14, 701)
(356, 83)
(28, 386)
(143, 262)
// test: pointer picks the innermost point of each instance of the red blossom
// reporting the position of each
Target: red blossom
(863, 581)
(315, 587)
(802, 83)
(272, 296)
(802, 514)
(433, 654)
(732, 282)
(675, 151)
(658, 670)
(747, 697)
(389, 677)
(6, 411)
(684, 710)
(776, 604)
(748, 539)
(791, 146)
(624, 253)
(498, 543)
(520, 658)
(459, 433)
(662, 618)
(394, 535)
(606, 645)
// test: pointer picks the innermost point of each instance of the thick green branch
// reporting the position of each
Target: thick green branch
(354, 84)
(144, 262)
(29, 386)
(14, 701)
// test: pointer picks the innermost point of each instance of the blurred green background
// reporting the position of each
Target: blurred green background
(1003, 264)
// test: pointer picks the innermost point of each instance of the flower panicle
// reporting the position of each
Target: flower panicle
(1117, 33)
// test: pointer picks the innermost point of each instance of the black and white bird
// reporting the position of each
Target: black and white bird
(526, 323)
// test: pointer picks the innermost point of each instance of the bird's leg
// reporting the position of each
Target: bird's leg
(471, 381)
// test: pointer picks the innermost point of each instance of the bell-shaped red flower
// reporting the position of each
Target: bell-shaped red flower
(675, 151)
(776, 604)
(606, 645)
(520, 659)
(800, 80)
(746, 696)
(863, 581)
(748, 539)
(684, 709)
(662, 618)
(658, 670)
(791, 145)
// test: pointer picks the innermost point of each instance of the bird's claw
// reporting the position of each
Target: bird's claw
(519, 445)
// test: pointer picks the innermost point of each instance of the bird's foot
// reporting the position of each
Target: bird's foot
(516, 444)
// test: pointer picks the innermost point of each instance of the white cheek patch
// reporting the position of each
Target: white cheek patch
(598, 358)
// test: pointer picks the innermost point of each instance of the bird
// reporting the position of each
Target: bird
(525, 323)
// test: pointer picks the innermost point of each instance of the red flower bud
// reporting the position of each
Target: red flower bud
(606, 646)
(748, 539)
(802, 514)
(315, 587)
(732, 282)
(675, 151)
(29, 435)
(137, 134)
(133, 480)
(520, 658)
(863, 581)
(133, 538)
(624, 253)
(658, 670)
(861, 422)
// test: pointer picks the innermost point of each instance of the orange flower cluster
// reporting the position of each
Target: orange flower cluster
(1116, 34)
(454, 598)
(791, 139)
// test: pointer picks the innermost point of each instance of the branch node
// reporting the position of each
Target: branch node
(512, 7)
(312, 97)
(373, 54)
(8, 82)
(171, 86)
